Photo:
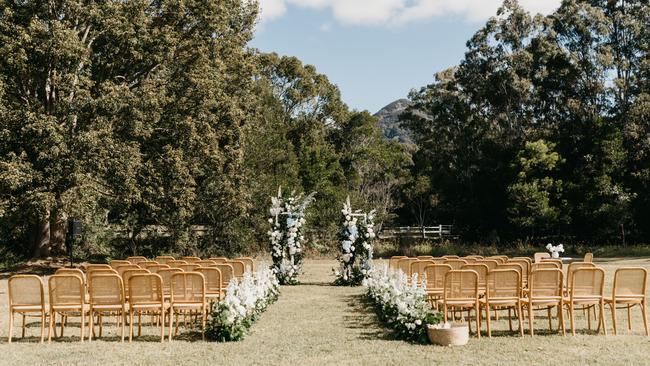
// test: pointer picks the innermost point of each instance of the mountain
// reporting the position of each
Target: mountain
(389, 121)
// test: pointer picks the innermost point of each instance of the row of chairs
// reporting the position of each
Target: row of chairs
(113, 290)
(473, 286)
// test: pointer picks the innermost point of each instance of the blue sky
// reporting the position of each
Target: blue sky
(376, 50)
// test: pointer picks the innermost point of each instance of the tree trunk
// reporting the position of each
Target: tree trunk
(58, 230)
(42, 243)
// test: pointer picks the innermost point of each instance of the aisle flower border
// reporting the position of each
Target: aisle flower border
(356, 236)
(230, 319)
(401, 306)
(286, 234)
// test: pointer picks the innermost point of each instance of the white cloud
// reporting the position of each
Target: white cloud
(400, 12)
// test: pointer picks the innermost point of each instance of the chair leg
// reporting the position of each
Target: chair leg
(602, 317)
(171, 317)
(589, 317)
(130, 325)
(477, 310)
(120, 319)
(645, 317)
(520, 318)
(561, 315)
(11, 325)
(51, 328)
(42, 326)
(139, 323)
(83, 323)
(613, 307)
(204, 316)
(571, 319)
(161, 320)
(629, 317)
(23, 332)
(91, 326)
(487, 320)
(530, 319)
(550, 316)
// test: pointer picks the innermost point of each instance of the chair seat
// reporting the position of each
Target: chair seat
(583, 299)
(28, 308)
(110, 307)
(459, 302)
(187, 305)
(625, 299)
(70, 308)
(500, 302)
(542, 301)
(148, 306)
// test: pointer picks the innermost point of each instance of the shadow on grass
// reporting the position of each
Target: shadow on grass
(364, 319)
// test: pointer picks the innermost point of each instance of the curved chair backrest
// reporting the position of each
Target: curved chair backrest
(630, 282)
(491, 263)
(419, 265)
(136, 259)
(102, 271)
(461, 284)
(212, 279)
(574, 267)
(546, 283)
(72, 271)
(469, 260)
(527, 259)
(166, 277)
(190, 259)
(156, 268)
(188, 267)
(504, 284)
(121, 269)
(541, 255)
(499, 258)
(456, 263)
(450, 256)
(145, 288)
(26, 290)
(589, 257)
(238, 267)
(482, 272)
(393, 261)
(163, 259)
(106, 289)
(126, 276)
(92, 266)
(218, 259)
(188, 287)
(587, 282)
(424, 257)
(176, 264)
(249, 263)
(436, 275)
(227, 273)
(66, 290)
(205, 263)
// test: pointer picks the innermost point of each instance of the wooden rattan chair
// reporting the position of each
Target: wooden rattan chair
(435, 274)
(404, 265)
(218, 259)
(418, 267)
(540, 255)
(166, 275)
(630, 284)
(491, 263)
(543, 265)
(525, 264)
(249, 263)
(91, 266)
(499, 258)
(163, 259)
(461, 292)
(212, 283)
(121, 269)
(482, 271)
(394, 261)
(586, 289)
(26, 297)
(176, 263)
(558, 262)
(545, 290)
(574, 267)
(126, 276)
(187, 296)
(101, 271)
(503, 291)
(455, 263)
(106, 293)
(157, 268)
(146, 296)
(67, 295)
(136, 259)
(205, 263)
(188, 267)
(227, 274)
(238, 267)
(424, 257)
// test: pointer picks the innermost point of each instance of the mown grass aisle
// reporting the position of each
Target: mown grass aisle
(318, 324)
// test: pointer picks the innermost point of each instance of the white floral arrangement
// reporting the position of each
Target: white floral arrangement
(401, 305)
(357, 237)
(555, 249)
(286, 235)
(231, 318)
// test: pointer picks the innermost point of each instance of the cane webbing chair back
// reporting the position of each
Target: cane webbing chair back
(145, 289)
(546, 284)
(474, 256)
(249, 263)
(461, 285)
(212, 277)
(238, 268)
(525, 266)
(126, 276)
(543, 265)
(539, 256)
(558, 262)
(102, 271)
(190, 259)
(117, 262)
(148, 264)
(499, 258)
(424, 257)
(482, 272)
(26, 291)
(449, 256)
(504, 284)
(511, 265)
(393, 261)
(490, 263)
(176, 263)
(163, 259)
(121, 269)
(470, 260)
(455, 263)
(166, 276)
(574, 267)
(589, 257)
(587, 283)
(188, 267)
(136, 259)
(66, 290)
(92, 266)
(227, 274)
(418, 267)
(404, 265)
(156, 268)
(630, 283)
(527, 259)
(106, 289)
(188, 288)
(435, 274)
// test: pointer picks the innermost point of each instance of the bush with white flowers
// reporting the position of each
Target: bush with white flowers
(402, 306)
(286, 235)
(356, 236)
(555, 249)
(230, 319)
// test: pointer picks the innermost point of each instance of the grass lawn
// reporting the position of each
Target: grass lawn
(315, 323)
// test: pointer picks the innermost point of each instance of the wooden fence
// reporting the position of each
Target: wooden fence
(423, 232)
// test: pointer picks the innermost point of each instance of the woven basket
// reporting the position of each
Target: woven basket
(457, 335)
